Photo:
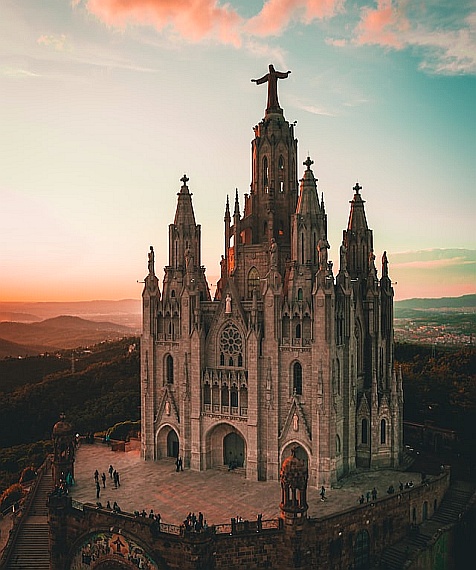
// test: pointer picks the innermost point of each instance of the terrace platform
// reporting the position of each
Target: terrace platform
(218, 494)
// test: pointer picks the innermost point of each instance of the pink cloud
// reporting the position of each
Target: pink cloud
(383, 25)
(58, 42)
(277, 14)
(336, 42)
(194, 20)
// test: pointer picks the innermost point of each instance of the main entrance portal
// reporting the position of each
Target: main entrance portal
(172, 444)
(233, 450)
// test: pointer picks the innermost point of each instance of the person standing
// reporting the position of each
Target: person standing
(98, 489)
(103, 478)
(111, 471)
(323, 493)
(96, 475)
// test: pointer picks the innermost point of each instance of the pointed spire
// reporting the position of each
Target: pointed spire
(237, 204)
(184, 213)
(357, 219)
(227, 217)
(308, 201)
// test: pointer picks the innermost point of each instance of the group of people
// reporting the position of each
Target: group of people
(390, 491)
(113, 474)
(369, 495)
(194, 524)
(115, 507)
(153, 516)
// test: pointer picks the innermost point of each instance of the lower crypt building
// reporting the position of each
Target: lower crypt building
(291, 352)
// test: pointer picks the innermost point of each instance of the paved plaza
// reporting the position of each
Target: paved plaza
(218, 494)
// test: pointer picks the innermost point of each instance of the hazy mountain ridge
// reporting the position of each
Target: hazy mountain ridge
(126, 312)
(63, 332)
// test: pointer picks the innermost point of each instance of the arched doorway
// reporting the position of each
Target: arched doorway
(362, 550)
(224, 443)
(233, 450)
(172, 444)
(301, 453)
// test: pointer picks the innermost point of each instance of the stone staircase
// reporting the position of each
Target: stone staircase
(31, 547)
(453, 504)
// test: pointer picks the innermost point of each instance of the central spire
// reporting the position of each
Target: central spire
(271, 78)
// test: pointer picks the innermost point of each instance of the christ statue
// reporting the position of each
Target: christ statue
(272, 78)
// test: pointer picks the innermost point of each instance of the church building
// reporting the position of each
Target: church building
(292, 352)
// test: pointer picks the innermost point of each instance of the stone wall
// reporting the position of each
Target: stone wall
(328, 542)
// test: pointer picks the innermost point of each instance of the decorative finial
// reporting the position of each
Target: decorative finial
(357, 187)
(184, 179)
(308, 162)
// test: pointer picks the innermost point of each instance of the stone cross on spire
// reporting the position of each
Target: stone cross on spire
(308, 162)
(272, 79)
(357, 187)
(184, 179)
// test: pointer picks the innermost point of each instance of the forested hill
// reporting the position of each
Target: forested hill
(439, 386)
(103, 390)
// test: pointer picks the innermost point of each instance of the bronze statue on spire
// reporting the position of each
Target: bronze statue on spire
(272, 78)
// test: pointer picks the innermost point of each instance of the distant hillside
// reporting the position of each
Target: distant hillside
(125, 312)
(58, 333)
(8, 348)
(18, 317)
(465, 301)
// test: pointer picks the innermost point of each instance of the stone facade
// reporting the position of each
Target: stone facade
(287, 353)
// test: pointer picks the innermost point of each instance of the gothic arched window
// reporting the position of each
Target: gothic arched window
(265, 173)
(365, 428)
(253, 281)
(234, 396)
(207, 393)
(169, 369)
(231, 346)
(225, 395)
(285, 326)
(281, 173)
(383, 431)
(297, 379)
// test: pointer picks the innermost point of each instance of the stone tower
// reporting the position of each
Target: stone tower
(287, 355)
(63, 452)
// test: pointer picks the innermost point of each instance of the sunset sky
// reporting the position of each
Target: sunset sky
(105, 104)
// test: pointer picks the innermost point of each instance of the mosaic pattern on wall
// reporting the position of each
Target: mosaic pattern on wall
(101, 547)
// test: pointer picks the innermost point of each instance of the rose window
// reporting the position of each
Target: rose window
(231, 346)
